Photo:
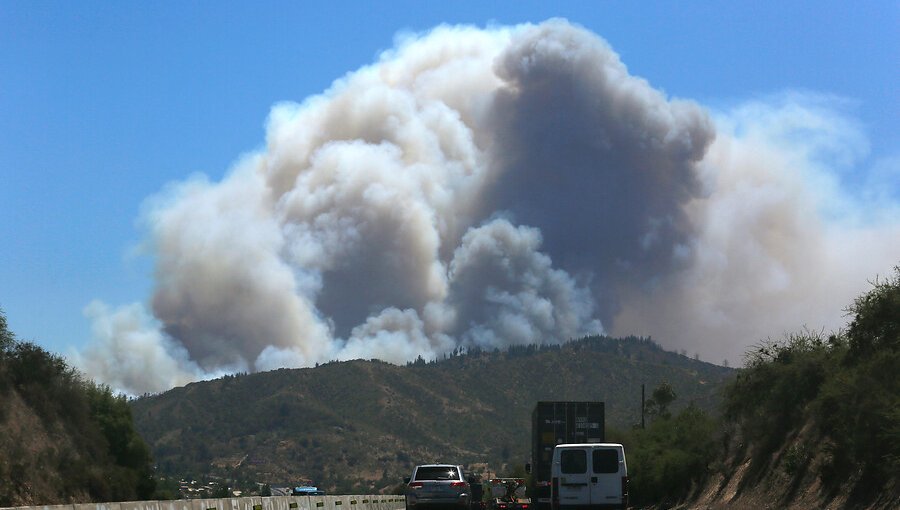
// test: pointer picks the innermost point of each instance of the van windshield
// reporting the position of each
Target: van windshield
(437, 473)
(573, 461)
(606, 461)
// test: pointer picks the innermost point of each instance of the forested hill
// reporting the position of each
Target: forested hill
(63, 439)
(362, 425)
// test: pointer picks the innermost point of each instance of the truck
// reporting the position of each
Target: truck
(508, 494)
(560, 422)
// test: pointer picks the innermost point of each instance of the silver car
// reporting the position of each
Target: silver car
(437, 485)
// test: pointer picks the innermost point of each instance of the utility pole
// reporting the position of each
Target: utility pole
(642, 406)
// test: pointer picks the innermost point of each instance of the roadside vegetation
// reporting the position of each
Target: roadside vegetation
(834, 400)
(809, 410)
(62, 437)
(671, 454)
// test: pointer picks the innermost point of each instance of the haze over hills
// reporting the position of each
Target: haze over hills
(362, 425)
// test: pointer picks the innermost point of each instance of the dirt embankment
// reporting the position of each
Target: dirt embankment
(788, 479)
(33, 455)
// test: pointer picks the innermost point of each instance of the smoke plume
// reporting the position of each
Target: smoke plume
(493, 188)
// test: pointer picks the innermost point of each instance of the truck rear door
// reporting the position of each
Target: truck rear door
(574, 477)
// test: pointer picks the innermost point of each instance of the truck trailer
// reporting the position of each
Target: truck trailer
(554, 423)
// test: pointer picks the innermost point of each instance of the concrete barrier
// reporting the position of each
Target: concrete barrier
(54, 507)
(136, 505)
(95, 506)
(178, 504)
(353, 502)
(280, 503)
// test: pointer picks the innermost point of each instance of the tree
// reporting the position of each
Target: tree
(6, 336)
(658, 403)
(876, 319)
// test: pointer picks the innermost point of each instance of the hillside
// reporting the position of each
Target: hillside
(813, 421)
(63, 439)
(362, 425)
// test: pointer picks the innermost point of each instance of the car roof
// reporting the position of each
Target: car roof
(437, 465)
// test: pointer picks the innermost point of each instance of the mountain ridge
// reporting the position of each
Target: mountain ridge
(362, 425)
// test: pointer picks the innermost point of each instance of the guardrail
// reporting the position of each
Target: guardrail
(362, 502)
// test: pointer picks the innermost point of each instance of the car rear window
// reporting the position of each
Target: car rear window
(573, 461)
(437, 473)
(606, 461)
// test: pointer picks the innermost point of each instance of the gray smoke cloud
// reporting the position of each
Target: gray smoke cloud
(493, 188)
(595, 158)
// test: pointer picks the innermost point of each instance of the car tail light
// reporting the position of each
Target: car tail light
(524, 507)
(625, 490)
(457, 484)
(415, 484)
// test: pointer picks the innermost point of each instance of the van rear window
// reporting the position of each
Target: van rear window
(573, 461)
(437, 473)
(606, 461)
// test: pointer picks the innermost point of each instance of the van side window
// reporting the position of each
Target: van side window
(606, 461)
(573, 461)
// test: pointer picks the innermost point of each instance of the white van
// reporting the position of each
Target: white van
(588, 476)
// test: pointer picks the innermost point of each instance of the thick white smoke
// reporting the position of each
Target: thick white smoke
(493, 188)
(779, 245)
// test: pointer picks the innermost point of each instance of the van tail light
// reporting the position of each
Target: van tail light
(625, 490)
(415, 484)
(457, 484)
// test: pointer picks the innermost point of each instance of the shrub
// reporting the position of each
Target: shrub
(670, 456)
(846, 384)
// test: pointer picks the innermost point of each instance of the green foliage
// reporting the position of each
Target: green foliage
(770, 396)
(6, 336)
(795, 458)
(658, 403)
(166, 489)
(86, 445)
(875, 327)
(859, 407)
(113, 415)
(670, 457)
(846, 384)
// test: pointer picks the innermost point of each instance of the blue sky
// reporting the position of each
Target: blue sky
(104, 103)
